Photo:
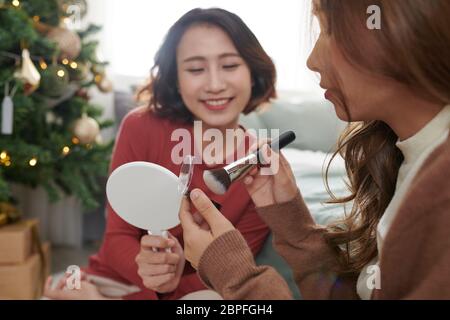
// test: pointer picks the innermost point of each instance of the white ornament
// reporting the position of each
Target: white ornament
(7, 115)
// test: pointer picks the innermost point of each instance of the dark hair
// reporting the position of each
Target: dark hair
(165, 99)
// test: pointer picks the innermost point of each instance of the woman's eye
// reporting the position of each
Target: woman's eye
(195, 70)
(231, 66)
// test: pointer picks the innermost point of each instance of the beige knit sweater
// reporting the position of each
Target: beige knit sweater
(414, 263)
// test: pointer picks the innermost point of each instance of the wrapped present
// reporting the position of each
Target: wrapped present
(8, 213)
(16, 241)
(26, 280)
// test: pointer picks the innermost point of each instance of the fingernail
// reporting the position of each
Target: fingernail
(194, 194)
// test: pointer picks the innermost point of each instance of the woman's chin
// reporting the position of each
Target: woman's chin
(339, 108)
(341, 114)
(220, 121)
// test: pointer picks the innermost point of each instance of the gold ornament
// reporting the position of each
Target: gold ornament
(103, 83)
(68, 42)
(28, 73)
(86, 129)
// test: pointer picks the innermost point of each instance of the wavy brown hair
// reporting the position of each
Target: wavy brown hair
(413, 48)
(162, 92)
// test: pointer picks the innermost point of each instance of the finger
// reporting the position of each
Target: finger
(62, 281)
(208, 211)
(187, 220)
(259, 144)
(197, 218)
(156, 269)
(254, 171)
(151, 257)
(156, 281)
(185, 204)
(48, 285)
(248, 180)
(153, 241)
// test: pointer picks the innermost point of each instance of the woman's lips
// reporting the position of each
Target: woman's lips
(217, 104)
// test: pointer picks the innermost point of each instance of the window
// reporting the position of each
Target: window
(134, 30)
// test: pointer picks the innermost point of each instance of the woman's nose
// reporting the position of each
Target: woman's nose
(313, 60)
(216, 83)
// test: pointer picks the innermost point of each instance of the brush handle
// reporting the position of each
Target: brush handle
(279, 143)
(282, 140)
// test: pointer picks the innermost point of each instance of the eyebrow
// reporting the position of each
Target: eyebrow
(201, 58)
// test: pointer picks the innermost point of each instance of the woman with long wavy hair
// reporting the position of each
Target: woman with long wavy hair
(393, 87)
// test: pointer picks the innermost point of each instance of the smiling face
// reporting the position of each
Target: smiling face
(214, 81)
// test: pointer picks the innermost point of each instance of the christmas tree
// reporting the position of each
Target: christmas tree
(49, 130)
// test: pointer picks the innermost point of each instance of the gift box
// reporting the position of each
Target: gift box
(16, 241)
(25, 280)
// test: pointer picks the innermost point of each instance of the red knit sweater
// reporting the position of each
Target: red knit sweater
(145, 137)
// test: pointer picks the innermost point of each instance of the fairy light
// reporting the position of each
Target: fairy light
(65, 61)
(60, 73)
(15, 3)
(66, 150)
(73, 65)
(36, 18)
(32, 162)
(75, 140)
(5, 159)
(98, 78)
(43, 65)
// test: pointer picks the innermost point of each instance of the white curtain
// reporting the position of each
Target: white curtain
(134, 29)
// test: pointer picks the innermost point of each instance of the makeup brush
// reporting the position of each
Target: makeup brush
(219, 180)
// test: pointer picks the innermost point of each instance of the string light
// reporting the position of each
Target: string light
(60, 73)
(66, 150)
(32, 162)
(65, 61)
(15, 3)
(73, 65)
(98, 78)
(75, 140)
(43, 65)
(5, 159)
(36, 18)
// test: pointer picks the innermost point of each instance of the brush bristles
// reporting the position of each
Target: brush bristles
(217, 180)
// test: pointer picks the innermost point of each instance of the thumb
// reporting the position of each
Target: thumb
(217, 222)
